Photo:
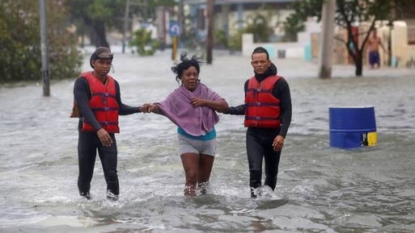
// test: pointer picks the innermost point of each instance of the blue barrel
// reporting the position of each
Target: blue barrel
(352, 127)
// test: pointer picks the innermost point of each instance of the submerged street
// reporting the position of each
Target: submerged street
(319, 189)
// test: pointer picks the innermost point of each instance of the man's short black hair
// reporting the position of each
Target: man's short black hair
(261, 49)
(101, 53)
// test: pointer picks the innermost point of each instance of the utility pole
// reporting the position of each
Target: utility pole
(181, 18)
(328, 12)
(44, 48)
(390, 24)
(124, 34)
(209, 39)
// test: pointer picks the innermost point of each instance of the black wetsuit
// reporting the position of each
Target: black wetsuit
(89, 143)
(259, 140)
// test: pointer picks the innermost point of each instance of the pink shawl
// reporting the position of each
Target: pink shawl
(196, 121)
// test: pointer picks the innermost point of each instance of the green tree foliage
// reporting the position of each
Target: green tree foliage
(143, 42)
(96, 17)
(220, 39)
(20, 42)
(257, 23)
(349, 12)
(235, 40)
(292, 26)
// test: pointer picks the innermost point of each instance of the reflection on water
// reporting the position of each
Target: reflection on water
(320, 189)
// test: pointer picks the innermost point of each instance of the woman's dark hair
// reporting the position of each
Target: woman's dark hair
(185, 64)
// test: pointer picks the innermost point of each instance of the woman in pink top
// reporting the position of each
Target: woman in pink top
(192, 107)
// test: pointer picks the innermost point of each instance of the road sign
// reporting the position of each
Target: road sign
(174, 28)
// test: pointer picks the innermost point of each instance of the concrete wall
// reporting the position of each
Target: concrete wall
(291, 49)
(308, 42)
(277, 19)
(402, 52)
(299, 49)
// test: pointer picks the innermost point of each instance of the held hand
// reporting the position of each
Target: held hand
(197, 102)
(147, 108)
(104, 137)
(152, 108)
(278, 143)
(144, 108)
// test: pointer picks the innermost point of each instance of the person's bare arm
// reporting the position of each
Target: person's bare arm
(219, 105)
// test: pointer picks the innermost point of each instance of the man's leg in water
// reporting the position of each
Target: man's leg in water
(108, 156)
(272, 160)
(255, 153)
(87, 152)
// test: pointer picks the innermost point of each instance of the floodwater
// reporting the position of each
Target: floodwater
(320, 189)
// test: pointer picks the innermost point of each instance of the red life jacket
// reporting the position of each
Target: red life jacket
(262, 108)
(103, 103)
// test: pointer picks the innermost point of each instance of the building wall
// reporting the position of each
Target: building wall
(230, 14)
(276, 21)
(298, 49)
(308, 45)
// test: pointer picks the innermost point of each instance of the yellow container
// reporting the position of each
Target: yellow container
(372, 139)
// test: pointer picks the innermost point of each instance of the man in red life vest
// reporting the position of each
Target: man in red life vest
(267, 111)
(98, 105)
